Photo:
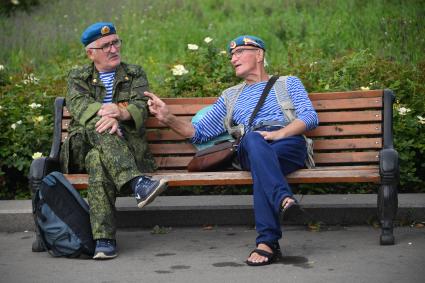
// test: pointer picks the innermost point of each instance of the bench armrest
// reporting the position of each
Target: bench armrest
(387, 121)
(40, 167)
(388, 156)
(389, 166)
(57, 130)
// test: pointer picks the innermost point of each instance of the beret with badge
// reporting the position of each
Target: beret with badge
(246, 40)
(96, 31)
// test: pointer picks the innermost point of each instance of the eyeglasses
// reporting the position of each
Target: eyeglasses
(107, 46)
(238, 52)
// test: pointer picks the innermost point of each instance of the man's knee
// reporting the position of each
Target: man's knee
(109, 140)
(93, 159)
(94, 166)
(252, 139)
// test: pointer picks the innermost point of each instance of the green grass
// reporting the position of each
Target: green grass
(156, 33)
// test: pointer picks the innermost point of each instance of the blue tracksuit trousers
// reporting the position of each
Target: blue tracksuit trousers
(269, 162)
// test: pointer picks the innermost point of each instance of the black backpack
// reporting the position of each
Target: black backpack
(62, 218)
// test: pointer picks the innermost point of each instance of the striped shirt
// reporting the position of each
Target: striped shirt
(107, 79)
(212, 124)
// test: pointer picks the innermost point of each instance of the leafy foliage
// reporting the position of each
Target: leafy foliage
(370, 44)
(26, 123)
(9, 7)
(203, 71)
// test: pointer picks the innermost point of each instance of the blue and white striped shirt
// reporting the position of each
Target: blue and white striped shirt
(107, 79)
(212, 124)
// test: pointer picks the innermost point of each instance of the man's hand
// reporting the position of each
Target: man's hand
(112, 110)
(108, 123)
(272, 136)
(158, 108)
(296, 127)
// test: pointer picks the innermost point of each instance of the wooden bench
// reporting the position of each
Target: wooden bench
(353, 144)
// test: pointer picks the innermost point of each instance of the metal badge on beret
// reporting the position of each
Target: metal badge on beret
(249, 41)
(105, 30)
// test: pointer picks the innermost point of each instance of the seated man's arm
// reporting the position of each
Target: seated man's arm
(136, 110)
(210, 126)
(118, 111)
(83, 107)
(296, 127)
(160, 110)
(307, 118)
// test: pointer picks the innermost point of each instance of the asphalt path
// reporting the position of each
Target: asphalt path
(217, 254)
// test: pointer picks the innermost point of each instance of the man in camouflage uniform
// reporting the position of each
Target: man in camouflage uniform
(107, 135)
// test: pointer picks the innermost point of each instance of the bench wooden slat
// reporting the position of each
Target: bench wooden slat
(334, 144)
(183, 178)
(324, 117)
(345, 94)
(172, 148)
(190, 100)
(349, 116)
(181, 162)
(326, 103)
(345, 130)
(152, 122)
(244, 178)
(185, 109)
(321, 131)
(319, 105)
(346, 157)
(312, 96)
(356, 103)
(340, 104)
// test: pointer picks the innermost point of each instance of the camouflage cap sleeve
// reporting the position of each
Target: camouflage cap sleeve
(137, 106)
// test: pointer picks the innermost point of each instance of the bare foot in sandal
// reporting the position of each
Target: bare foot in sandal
(256, 258)
(263, 254)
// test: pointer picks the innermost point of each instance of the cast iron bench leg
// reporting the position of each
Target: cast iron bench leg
(387, 206)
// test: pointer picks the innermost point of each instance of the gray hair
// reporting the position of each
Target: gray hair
(91, 45)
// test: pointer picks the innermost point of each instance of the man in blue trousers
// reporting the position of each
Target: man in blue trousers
(272, 148)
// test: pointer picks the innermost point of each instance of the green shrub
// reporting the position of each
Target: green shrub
(8, 7)
(203, 71)
(26, 123)
(409, 139)
(371, 44)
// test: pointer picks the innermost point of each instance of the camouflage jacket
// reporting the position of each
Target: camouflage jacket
(84, 98)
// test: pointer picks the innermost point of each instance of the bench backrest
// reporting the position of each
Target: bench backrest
(350, 129)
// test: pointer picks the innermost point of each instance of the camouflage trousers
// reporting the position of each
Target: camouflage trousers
(110, 163)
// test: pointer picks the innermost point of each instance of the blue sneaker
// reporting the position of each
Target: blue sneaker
(146, 190)
(105, 249)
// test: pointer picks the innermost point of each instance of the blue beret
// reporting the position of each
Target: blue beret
(96, 31)
(244, 40)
